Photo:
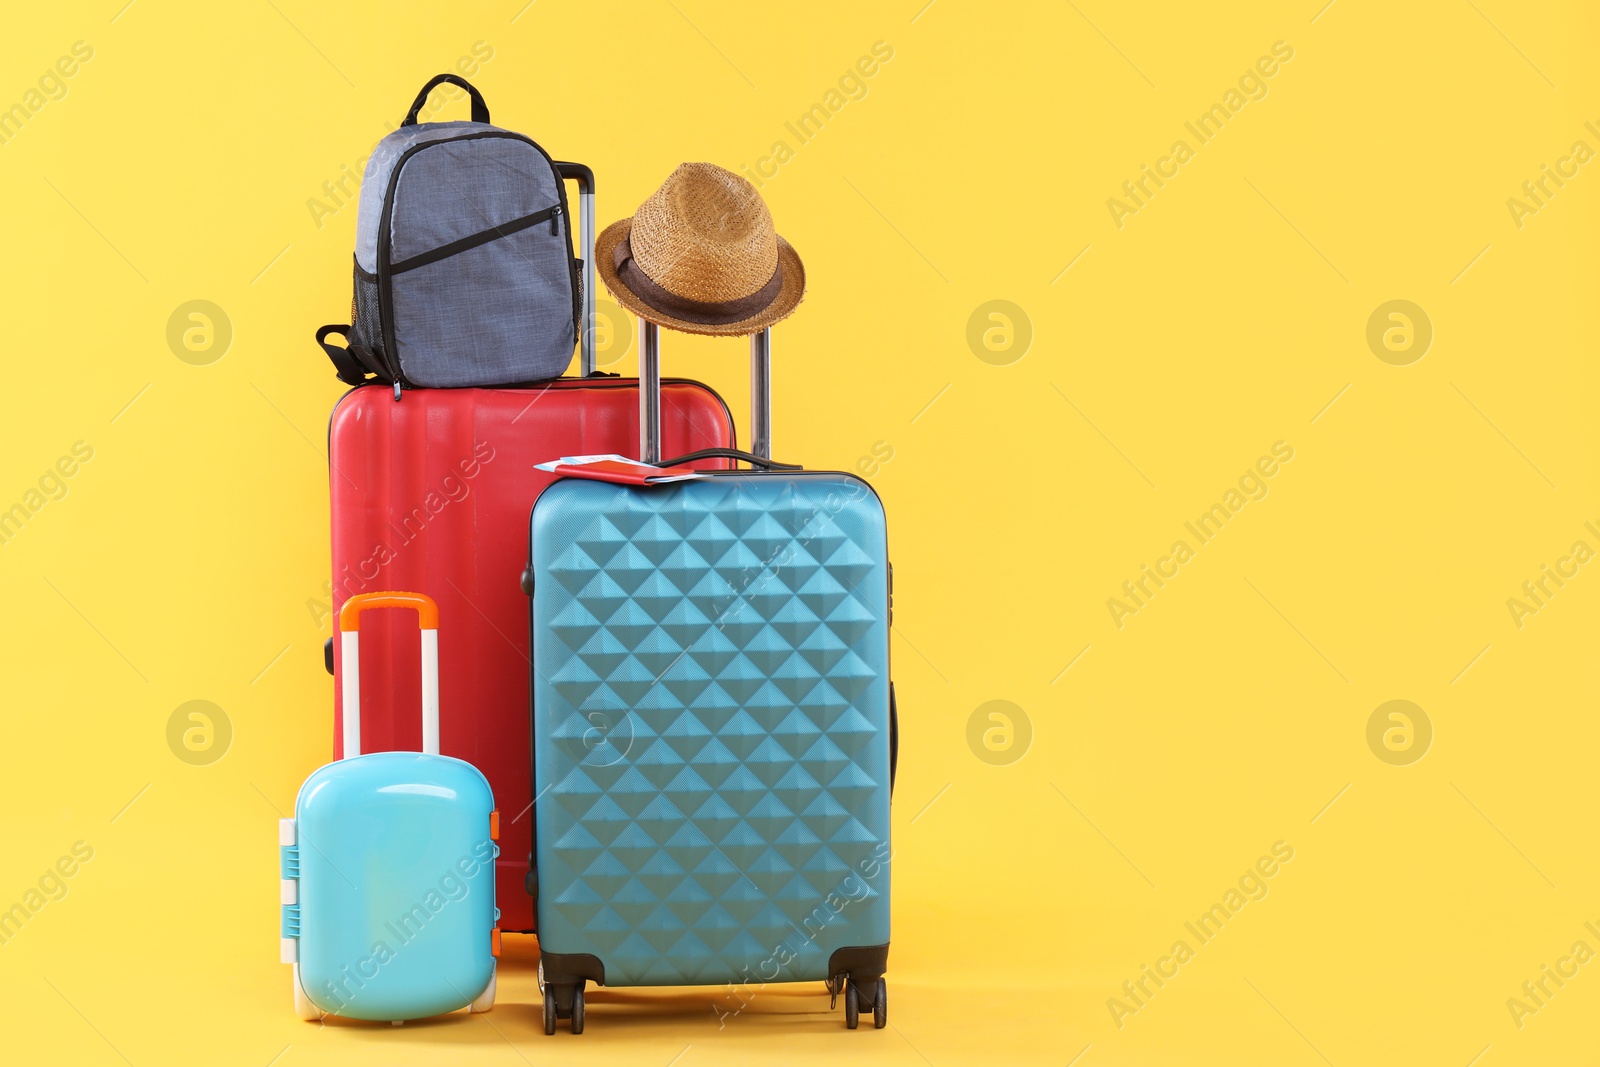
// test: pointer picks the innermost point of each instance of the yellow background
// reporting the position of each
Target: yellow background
(1223, 317)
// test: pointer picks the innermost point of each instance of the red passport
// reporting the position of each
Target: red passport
(619, 469)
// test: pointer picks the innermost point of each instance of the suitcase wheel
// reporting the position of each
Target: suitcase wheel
(880, 1005)
(553, 1011)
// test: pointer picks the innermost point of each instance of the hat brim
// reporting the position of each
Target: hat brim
(789, 295)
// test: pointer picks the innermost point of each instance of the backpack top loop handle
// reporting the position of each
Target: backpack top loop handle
(480, 110)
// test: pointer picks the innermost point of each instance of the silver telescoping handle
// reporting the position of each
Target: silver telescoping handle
(586, 365)
(761, 393)
(581, 174)
(650, 392)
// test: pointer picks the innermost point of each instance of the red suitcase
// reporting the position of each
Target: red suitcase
(431, 491)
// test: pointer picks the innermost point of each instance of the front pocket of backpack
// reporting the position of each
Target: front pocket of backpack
(551, 215)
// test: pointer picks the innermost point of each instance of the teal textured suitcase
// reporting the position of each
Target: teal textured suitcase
(713, 729)
(388, 866)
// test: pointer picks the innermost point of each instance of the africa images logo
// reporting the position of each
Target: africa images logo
(1252, 885)
(1252, 485)
(1252, 85)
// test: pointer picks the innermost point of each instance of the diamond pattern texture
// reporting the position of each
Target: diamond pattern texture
(711, 725)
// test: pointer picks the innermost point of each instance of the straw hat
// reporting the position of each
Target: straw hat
(702, 256)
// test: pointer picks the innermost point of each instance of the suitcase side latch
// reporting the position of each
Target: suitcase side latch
(289, 891)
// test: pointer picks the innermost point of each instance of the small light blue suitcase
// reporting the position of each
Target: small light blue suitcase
(713, 727)
(388, 865)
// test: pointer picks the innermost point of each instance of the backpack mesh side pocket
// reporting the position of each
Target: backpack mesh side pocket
(366, 327)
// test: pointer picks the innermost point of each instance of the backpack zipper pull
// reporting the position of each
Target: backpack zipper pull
(555, 220)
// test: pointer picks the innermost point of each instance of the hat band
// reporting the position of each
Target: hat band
(700, 312)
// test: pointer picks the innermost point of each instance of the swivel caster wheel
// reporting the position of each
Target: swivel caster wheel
(553, 1012)
(880, 1005)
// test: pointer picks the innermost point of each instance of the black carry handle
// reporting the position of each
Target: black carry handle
(480, 110)
(577, 172)
(732, 453)
(894, 734)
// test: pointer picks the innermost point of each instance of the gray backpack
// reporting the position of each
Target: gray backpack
(464, 269)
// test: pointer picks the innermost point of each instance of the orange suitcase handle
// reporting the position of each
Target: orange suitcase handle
(350, 649)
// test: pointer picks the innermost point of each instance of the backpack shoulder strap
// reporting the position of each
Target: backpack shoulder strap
(352, 363)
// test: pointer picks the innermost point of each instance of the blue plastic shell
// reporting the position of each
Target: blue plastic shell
(711, 709)
(396, 885)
